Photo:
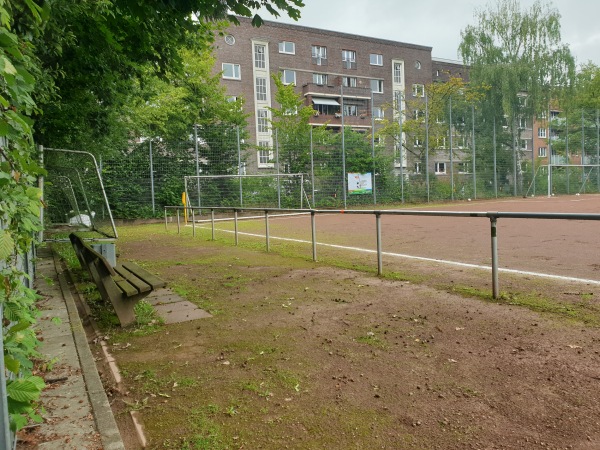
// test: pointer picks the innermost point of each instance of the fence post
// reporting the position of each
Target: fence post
(379, 256)
(235, 225)
(312, 167)
(267, 230)
(343, 147)
(313, 224)
(451, 152)
(197, 164)
(278, 168)
(5, 443)
(494, 240)
(152, 179)
(178, 224)
(598, 148)
(427, 145)
(374, 186)
(166, 229)
(239, 149)
(473, 151)
(212, 223)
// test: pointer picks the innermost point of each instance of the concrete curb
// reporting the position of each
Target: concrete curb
(103, 416)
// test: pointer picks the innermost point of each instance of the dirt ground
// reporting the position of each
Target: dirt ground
(304, 355)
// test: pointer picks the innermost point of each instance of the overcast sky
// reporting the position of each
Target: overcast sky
(438, 23)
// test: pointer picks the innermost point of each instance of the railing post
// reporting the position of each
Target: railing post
(267, 230)
(166, 229)
(379, 257)
(494, 236)
(235, 225)
(178, 223)
(212, 223)
(313, 224)
(193, 223)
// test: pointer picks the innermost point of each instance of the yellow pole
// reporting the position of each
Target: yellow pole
(185, 211)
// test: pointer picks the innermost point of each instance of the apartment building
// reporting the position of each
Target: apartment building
(346, 78)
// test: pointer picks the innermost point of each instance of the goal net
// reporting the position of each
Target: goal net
(573, 178)
(250, 191)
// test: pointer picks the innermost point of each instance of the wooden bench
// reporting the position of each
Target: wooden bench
(123, 285)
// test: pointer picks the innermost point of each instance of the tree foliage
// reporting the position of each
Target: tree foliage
(517, 51)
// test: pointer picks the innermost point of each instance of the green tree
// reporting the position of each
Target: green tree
(520, 55)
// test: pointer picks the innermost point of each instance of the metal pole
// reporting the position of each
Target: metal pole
(549, 154)
(451, 153)
(152, 179)
(267, 230)
(197, 163)
(427, 144)
(583, 180)
(343, 148)
(312, 167)
(193, 223)
(400, 140)
(533, 153)
(278, 168)
(178, 223)
(598, 149)
(567, 152)
(5, 443)
(166, 229)
(373, 150)
(473, 151)
(514, 145)
(240, 166)
(235, 225)
(495, 162)
(313, 224)
(494, 235)
(379, 253)
(212, 223)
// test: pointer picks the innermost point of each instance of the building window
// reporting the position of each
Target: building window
(350, 110)
(377, 86)
(524, 144)
(261, 89)
(398, 73)
(231, 71)
(418, 65)
(418, 90)
(377, 112)
(232, 99)
(418, 113)
(542, 152)
(417, 167)
(319, 55)
(349, 59)
(440, 167)
(259, 56)
(376, 59)
(262, 118)
(349, 81)
(287, 47)
(265, 154)
(418, 142)
(229, 39)
(541, 132)
(464, 167)
(288, 76)
(522, 122)
(320, 78)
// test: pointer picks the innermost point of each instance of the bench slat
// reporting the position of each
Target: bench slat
(128, 289)
(139, 284)
(142, 273)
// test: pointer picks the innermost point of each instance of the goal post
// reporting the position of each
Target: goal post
(583, 177)
(283, 190)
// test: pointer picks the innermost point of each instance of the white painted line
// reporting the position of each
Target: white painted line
(421, 258)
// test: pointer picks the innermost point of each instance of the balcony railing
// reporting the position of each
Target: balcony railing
(335, 91)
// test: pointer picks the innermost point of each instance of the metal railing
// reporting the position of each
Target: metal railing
(492, 216)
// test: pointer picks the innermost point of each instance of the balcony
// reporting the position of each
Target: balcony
(317, 90)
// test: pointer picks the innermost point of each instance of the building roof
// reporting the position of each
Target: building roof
(338, 34)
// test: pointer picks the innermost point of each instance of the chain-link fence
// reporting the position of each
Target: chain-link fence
(460, 155)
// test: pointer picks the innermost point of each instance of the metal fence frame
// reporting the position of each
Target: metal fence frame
(493, 217)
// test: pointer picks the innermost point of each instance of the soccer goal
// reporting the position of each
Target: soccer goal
(250, 191)
(573, 178)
